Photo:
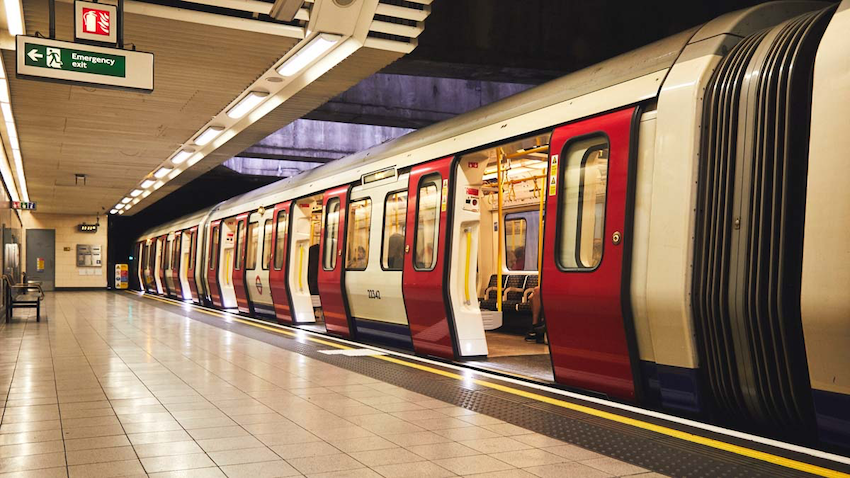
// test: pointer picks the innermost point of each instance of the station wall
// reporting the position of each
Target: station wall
(68, 275)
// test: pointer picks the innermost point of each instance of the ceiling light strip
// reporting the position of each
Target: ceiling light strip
(15, 22)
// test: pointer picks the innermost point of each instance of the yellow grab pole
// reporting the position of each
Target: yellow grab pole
(300, 265)
(466, 270)
(499, 156)
(540, 227)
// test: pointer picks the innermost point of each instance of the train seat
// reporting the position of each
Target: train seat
(514, 290)
(490, 293)
(525, 305)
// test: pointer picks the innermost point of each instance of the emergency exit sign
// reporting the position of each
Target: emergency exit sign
(41, 58)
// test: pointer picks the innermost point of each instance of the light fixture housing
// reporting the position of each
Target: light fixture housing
(158, 185)
(120, 212)
(175, 173)
(136, 192)
(182, 156)
(126, 200)
(146, 194)
(161, 173)
(318, 46)
(14, 17)
(147, 183)
(195, 160)
(208, 135)
(136, 201)
(7, 112)
(246, 104)
(4, 92)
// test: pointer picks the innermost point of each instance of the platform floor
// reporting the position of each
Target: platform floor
(110, 385)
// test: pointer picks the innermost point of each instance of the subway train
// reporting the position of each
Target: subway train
(678, 208)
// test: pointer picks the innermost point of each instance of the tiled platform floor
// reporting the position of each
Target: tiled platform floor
(109, 386)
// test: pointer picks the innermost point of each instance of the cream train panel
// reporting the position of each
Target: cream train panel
(673, 196)
(640, 233)
(463, 267)
(373, 293)
(825, 301)
(257, 279)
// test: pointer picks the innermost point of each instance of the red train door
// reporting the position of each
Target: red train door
(239, 267)
(425, 259)
(279, 263)
(584, 245)
(332, 262)
(212, 262)
(176, 257)
(190, 267)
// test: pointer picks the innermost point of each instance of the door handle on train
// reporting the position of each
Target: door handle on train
(616, 238)
(407, 248)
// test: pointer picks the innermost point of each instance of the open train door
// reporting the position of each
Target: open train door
(425, 274)
(213, 251)
(279, 266)
(586, 241)
(238, 274)
(332, 263)
(192, 243)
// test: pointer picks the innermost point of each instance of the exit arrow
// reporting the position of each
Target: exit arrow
(34, 55)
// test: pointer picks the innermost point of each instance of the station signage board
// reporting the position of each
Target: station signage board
(55, 60)
(96, 22)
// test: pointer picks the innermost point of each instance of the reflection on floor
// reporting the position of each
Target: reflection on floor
(509, 353)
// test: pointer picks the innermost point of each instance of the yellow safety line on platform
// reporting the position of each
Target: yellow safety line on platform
(710, 442)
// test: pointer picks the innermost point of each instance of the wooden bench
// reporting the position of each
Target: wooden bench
(22, 296)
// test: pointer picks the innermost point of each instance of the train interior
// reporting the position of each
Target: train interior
(306, 230)
(184, 254)
(517, 168)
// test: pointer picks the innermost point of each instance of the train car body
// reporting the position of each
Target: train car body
(678, 207)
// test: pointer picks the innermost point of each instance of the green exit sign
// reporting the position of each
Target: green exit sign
(42, 58)
(70, 59)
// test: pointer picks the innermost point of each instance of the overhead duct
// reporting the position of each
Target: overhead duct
(285, 10)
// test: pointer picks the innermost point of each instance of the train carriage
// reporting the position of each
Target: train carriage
(669, 205)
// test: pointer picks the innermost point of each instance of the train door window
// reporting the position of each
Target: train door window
(267, 243)
(253, 241)
(359, 225)
(582, 221)
(331, 235)
(192, 235)
(163, 255)
(146, 250)
(213, 259)
(395, 219)
(282, 224)
(427, 224)
(240, 236)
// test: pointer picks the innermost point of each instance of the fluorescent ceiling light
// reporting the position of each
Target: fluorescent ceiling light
(158, 185)
(317, 47)
(119, 206)
(208, 135)
(195, 160)
(16, 153)
(4, 92)
(136, 192)
(120, 212)
(161, 172)
(183, 155)
(7, 112)
(147, 183)
(247, 103)
(136, 201)
(175, 173)
(146, 194)
(14, 17)
(127, 207)
(113, 211)
(126, 200)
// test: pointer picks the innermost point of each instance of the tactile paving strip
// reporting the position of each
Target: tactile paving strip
(647, 449)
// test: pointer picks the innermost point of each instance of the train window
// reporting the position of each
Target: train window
(240, 236)
(166, 256)
(163, 256)
(395, 219)
(253, 241)
(427, 224)
(359, 225)
(280, 238)
(213, 259)
(175, 252)
(146, 250)
(192, 246)
(582, 224)
(331, 235)
(267, 243)
(521, 230)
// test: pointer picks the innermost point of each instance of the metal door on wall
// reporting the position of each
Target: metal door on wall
(41, 257)
(586, 240)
